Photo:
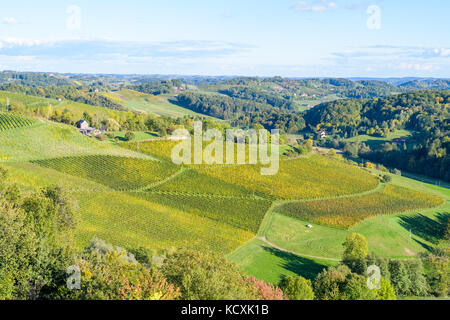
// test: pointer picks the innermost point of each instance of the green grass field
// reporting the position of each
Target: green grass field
(160, 105)
(270, 264)
(375, 142)
(47, 139)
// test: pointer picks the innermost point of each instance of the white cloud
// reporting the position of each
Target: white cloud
(418, 66)
(9, 20)
(316, 6)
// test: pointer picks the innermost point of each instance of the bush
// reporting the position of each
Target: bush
(266, 291)
(129, 136)
(386, 291)
(206, 276)
(297, 288)
(109, 273)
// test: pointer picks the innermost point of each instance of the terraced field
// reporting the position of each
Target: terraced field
(11, 121)
(347, 212)
(118, 173)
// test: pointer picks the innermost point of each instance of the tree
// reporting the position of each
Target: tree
(355, 288)
(400, 277)
(129, 136)
(297, 288)
(111, 273)
(386, 291)
(266, 291)
(206, 276)
(35, 242)
(328, 284)
(419, 286)
(356, 249)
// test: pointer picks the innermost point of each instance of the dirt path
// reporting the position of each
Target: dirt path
(263, 238)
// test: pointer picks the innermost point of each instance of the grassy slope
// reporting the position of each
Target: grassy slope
(47, 139)
(269, 264)
(159, 105)
(388, 236)
(375, 142)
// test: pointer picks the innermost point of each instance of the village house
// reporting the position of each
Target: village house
(323, 134)
(84, 128)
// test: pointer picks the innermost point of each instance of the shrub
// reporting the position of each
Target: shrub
(266, 291)
(108, 273)
(129, 136)
(297, 288)
(206, 276)
(386, 291)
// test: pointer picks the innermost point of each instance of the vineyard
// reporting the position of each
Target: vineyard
(347, 212)
(119, 173)
(306, 178)
(245, 214)
(128, 221)
(10, 121)
(197, 183)
(163, 150)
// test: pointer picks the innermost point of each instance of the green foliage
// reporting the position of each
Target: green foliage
(119, 173)
(297, 288)
(129, 136)
(356, 248)
(438, 275)
(386, 291)
(425, 113)
(339, 283)
(400, 277)
(110, 273)
(35, 242)
(206, 276)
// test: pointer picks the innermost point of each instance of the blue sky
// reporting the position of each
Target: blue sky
(309, 38)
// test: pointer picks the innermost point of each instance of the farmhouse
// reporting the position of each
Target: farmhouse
(84, 128)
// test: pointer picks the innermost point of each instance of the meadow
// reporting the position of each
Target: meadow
(270, 264)
(47, 139)
(347, 212)
(118, 173)
(162, 105)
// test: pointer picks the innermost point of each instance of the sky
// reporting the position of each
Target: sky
(290, 38)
